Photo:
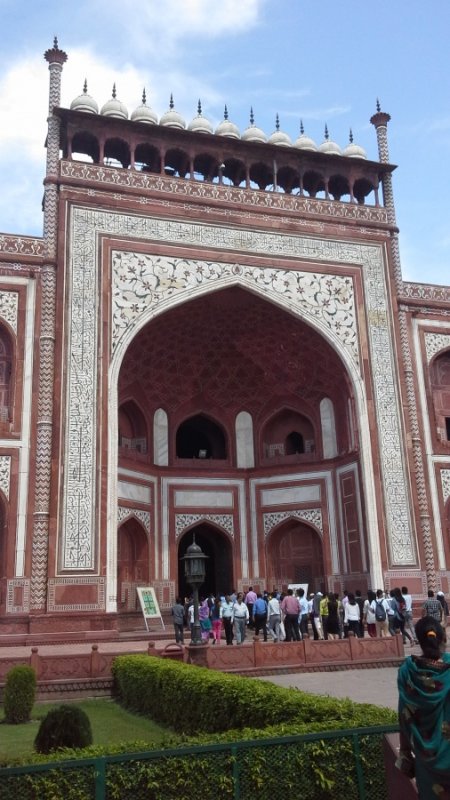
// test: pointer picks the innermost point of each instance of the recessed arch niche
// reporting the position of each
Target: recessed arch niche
(133, 563)
(294, 554)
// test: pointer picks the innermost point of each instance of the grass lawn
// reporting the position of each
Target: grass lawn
(110, 724)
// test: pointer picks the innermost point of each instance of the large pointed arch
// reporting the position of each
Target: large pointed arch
(349, 363)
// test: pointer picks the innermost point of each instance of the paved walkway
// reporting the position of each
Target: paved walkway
(377, 686)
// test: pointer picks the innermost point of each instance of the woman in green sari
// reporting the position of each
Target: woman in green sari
(424, 713)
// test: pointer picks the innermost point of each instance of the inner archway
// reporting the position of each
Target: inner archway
(219, 564)
(295, 555)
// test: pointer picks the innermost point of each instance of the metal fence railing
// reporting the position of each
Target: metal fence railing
(318, 766)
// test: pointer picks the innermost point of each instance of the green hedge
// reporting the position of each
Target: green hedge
(19, 694)
(210, 707)
(323, 769)
(195, 700)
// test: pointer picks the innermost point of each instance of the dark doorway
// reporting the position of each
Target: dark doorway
(200, 437)
(219, 564)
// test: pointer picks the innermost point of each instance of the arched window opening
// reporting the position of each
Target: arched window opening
(294, 444)
(176, 163)
(362, 188)
(200, 437)
(288, 180)
(116, 154)
(206, 167)
(287, 436)
(234, 171)
(339, 188)
(313, 183)
(85, 148)
(147, 159)
(440, 383)
(5, 376)
(261, 175)
(132, 429)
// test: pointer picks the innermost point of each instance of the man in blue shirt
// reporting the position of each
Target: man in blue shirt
(260, 615)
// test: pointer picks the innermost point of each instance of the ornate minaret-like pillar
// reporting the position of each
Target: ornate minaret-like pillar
(56, 59)
(380, 121)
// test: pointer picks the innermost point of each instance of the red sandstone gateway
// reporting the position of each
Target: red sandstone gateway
(213, 336)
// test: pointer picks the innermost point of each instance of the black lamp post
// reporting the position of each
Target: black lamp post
(194, 571)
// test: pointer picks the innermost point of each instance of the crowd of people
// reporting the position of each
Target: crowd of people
(292, 616)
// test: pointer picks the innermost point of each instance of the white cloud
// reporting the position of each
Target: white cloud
(165, 28)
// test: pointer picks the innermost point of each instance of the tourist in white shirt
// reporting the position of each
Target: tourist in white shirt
(381, 606)
(352, 615)
(408, 614)
(241, 618)
(274, 614)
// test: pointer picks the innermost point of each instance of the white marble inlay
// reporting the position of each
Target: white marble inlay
(312, 515)
(9, 304)
(434, 342)
(199, 499)
(134, 491)
(183, 521)
(290, 495)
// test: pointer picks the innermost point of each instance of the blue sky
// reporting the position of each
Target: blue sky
(323, 62)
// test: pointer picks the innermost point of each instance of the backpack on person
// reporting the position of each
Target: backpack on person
(380, 611)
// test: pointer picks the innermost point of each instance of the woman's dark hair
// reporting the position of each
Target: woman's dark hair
(371, 595)
(397, 594)
(351, 599)
(431, 637)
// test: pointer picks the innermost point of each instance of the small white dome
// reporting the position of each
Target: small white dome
(304, 142)
(84, 102)
(328, 146)
(354, 150)
(200, 124)
(279, 137)
(144, 113)
(114, 107)
(171, 118)
(227, 128)
(252, 133)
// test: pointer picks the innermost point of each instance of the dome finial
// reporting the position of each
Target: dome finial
(225, 112)
(144, 97)
(199, 108)
(302, 130)
(55, 43)
(350, 138)
(327, 135)
(378, 104)
(252, 117)
(171, 101)
(277, 122)
(114, 93)
(85, 86)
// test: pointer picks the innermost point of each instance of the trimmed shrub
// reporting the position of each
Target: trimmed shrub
(19, 694)
(201, 701)
(65, 726)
